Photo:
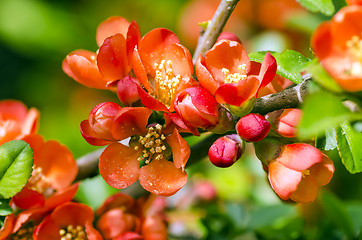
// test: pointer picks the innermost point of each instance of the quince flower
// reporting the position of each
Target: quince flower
(298, 172)
(150, 146)
(116, 38)
(164, 68)
(16, 121)
(225, 72)
(338, 45)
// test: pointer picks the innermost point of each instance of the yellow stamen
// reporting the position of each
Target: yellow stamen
(234, 77)
(166, 82)
(305, 173)
(354, 47)
(24, 233)
(73, 233)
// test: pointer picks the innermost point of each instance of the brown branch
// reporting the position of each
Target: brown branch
(215, 27)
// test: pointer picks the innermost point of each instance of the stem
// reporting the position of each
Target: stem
(215, 27)
(288, 98)
(88, 164)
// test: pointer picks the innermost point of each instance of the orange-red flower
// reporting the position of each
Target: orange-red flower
(225, 72)
(164, 68)
(16, 121)
(338, 45)
(298, 172)
(116, 38)
(122, 217)
(54, 170)
(119, 164)
(70, 220)
(23, 224)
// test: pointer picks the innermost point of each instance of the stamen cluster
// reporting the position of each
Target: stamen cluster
(24, 233)
(234, 77)
(152, 144)
(72, 233)
(38, 182)
(166, 82)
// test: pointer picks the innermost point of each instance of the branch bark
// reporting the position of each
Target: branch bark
(215, 27)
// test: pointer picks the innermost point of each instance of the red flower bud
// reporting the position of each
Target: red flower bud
(229, 36)
(253, 127)
(127, 90)
(226, 150)
(197, 107)
(101, 118)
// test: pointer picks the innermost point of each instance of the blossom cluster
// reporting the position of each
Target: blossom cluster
(44, 209)
(161, 100)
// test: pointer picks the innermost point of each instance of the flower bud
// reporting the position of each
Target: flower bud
(101, 118)
(229, 36)
(197, 107)
(253, 127)
(127, 90)
(226, 150)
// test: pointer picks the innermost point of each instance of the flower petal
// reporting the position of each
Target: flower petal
(180, 149)
(283, 180)
(31, 122)
(153, 45)
(226, 54)
(306, 191)
(112, 59)
(140, 70)
(133, 38)
(112, 223)
(61, 197)
(321, 40)
(161, 177)
(62, 169)
(267, 71)
(204, 76)
(154, 227)
(28, 198)
(81, 66)
(119, 166)
(237, 93)
(7, 228)
(130, 121)
(151, 102)
(323, 172)
(89, 135)
(110, 27)
(299, 156)
(115, 201)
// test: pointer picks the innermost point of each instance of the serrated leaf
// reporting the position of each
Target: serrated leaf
(349, 144)
(16, 162)
(322, 111)
(337, 213)
(324, 6)
(5, 208)
(290, 63)
(322, 77)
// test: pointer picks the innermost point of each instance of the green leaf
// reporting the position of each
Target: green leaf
(329, 141)
(349, 144)
(322, 77)
(290, 63)
(324, 6)
(5, 208)
(16, 162)
(337, 213)
(322, 111)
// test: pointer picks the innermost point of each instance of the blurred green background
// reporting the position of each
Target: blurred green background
(35, 37)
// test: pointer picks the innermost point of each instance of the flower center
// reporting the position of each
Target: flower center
(72, 233)
(24, 233)
(305, 173)
(234, 77)
(354, 46)
(152, 144)
(166, 82)
(38, 182)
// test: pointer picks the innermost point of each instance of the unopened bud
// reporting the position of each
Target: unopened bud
(226, 150)
(127, 90)
(253, 127)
